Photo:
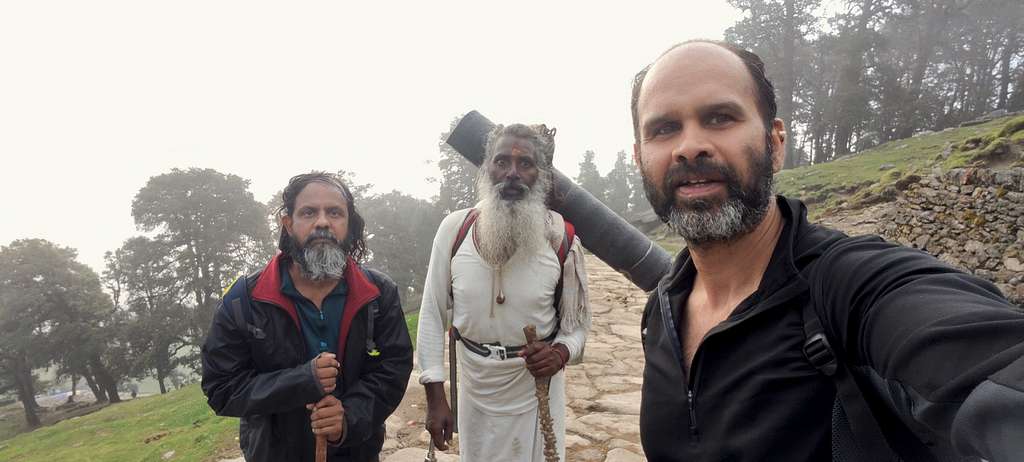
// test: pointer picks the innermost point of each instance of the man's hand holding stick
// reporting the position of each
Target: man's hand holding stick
(543, 361)
(328, 416)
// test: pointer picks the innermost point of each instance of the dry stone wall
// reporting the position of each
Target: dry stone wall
(972, 218)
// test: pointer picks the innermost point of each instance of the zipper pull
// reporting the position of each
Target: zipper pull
(693, 413)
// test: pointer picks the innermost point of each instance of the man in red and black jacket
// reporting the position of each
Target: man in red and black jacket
(313, 344)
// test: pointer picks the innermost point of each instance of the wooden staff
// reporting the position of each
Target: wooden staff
(321, 448)
(547, 427)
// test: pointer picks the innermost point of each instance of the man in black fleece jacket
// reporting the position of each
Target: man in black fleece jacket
(938, 353)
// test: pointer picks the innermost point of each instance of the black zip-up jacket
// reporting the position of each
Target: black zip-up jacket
(946, 345)
(263, 377)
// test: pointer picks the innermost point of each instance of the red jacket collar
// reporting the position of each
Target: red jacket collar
(360, 290)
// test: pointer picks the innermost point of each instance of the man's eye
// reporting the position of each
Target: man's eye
(527, 164)
(306, 213)
(501, 163)
(719, 119)
(336, 213)
(665, 129)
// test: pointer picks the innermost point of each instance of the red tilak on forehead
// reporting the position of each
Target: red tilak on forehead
(518, 150)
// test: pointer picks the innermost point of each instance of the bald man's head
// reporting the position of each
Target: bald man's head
(764, 91)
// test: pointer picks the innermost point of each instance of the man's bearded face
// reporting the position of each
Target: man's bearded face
(514, 166)
(712, 219)
(313, 229)
(320, 257)
(512, 190)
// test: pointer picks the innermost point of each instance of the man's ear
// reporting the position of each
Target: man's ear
(636, 154)
(777, 137)
(286, 223)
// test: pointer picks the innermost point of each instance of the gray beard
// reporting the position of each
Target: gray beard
(322, 261)
(506, 226)
(702, 223)
(700, 227)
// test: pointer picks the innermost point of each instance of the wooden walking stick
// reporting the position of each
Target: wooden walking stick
(321, 448)
(547, 426)
(321, 439)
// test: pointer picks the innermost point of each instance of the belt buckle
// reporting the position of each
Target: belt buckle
(496, 350)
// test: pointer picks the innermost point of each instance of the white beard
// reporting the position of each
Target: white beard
(507, 226)
(322, 261)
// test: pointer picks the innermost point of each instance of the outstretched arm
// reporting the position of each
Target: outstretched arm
(946, 344)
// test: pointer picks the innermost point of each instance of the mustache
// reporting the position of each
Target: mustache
(320, 233)
(511, 184)
(685, 172)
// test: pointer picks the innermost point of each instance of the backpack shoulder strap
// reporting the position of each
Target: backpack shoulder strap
(371, 314)
(460, 237)
(453, 333)
(236, 301)
(563, 253)
(567, 238)
(853, 420)
(464, 230)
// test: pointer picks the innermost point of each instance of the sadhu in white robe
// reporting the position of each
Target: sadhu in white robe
(497, 412)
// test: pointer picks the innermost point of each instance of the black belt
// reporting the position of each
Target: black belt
(495, 348)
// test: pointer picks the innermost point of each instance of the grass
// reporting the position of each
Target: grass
(829, 185)
(13, 421)
(411, 321)
(142, 429)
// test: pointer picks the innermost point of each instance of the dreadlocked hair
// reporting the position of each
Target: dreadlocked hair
(542, 138)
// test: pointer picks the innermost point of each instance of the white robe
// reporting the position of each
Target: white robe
(497, 406)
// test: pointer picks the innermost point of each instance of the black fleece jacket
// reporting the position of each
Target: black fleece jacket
(947, 347)
(259, 373)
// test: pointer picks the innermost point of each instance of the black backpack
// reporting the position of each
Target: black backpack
(865, 426)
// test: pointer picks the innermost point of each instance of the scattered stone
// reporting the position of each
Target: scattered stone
(417, 455)
(627, 445)
(622, 455)
(618, 424)
(884, 167)
(627, 331)
(622, 403)
(922, 241)
(168, 455)
(575, 442)
(588, 455)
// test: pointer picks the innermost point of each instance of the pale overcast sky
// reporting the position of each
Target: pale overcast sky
(96, 97)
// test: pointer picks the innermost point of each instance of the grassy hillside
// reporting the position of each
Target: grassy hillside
(143, 429)
(178, 421)
(860, 179)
